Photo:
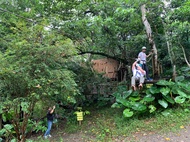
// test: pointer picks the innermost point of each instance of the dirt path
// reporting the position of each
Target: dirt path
(183, 135)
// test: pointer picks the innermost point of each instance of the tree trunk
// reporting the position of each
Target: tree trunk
(151, 40)
(184, 54)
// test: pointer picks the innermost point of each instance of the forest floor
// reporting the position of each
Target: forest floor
(108, 126)
(182, 135)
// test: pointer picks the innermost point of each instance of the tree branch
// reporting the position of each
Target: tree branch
(103, 54)
(184, 54)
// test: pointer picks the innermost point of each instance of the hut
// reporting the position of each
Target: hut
(107, 66)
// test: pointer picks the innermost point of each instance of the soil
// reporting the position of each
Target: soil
(183, 135)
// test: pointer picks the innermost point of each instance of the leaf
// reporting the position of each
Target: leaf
(154, 90)
(135, 94)
(127, 113)
(163, 103)
(181, 93)
(185, 69)
(123, 102)
(168, 99)
(166, 112)
(148, 98)
(165, 83)
(182, 127)
(179, 78)
(167, 139)
(116, 94)
(24, 106)
(134, 99)
(116, 105)
(138, 106)
(152, 108)
(179, 99)
(127, 94)
(87, 112)
(8, 126)
(165, 91)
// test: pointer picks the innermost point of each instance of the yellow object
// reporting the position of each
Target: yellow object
(148, 85)
(79, 116)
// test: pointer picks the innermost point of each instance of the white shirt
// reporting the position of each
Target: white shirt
(137, 73)
(142, 56)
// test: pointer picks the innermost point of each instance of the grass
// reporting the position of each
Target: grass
(108, 124)
(110, 121)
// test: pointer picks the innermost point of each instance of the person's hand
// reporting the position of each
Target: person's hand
(53, 107)
(138, 59)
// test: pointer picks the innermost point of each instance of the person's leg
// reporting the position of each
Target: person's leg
(147, 72)
(48, 129)
(133, 82)
(141, 82)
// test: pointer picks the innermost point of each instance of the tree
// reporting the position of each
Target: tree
(33, 68)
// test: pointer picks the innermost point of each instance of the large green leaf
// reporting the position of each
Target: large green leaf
(184, 85)
(154, 90)
(148, 98)
(168, 99)
(127, 93)
(135, 94)
(116, 94)
(181, 93)
(163, 103)
(166, 112)
(134, 99)
(165, 91)
(123, 102)
(165, 83)
(127, 113)
(179, 99)
(138, 106)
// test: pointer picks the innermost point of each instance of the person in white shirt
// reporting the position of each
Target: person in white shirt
(138, 74)
(142, 56)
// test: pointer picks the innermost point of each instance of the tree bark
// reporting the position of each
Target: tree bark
(151, 40)
(184, 54)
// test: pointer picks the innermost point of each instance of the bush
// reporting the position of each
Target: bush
(162, 95)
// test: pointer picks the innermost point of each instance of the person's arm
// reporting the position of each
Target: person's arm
(141, 70)
(133, 66)
(150, 53)
(52, 110)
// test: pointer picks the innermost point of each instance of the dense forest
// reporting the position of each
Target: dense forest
(47, 48)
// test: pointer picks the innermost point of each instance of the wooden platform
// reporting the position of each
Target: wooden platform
(150, 82)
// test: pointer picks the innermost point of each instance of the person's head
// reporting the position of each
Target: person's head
(138, 65)
(143, 49)
(50, 108)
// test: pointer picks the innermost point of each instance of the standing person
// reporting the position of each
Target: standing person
(138, 74)
(142, 56)
(50, 116)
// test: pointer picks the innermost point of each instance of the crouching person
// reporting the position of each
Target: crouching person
(138, 75)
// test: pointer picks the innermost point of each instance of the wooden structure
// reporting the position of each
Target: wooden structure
(107, 66)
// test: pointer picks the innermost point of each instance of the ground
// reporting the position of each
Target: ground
(183, 135)
(108, 125)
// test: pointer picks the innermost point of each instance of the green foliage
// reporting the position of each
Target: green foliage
(164, 94)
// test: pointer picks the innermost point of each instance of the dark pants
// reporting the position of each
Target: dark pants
(145, 67)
